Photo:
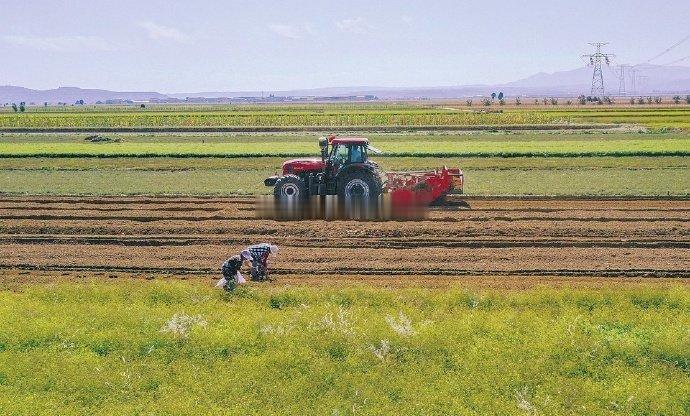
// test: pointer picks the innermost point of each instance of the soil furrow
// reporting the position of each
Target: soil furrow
(49, 217)
(588, 238)
(142, 241)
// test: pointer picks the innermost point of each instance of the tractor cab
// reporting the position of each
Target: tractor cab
(343, 152)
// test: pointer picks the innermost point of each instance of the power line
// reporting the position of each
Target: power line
(667, 50)
(677, 61)
(595, 60)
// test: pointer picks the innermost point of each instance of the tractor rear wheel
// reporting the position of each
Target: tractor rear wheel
(358, 184)
(290, 188)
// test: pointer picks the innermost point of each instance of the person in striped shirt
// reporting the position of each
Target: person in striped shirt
(259, 258)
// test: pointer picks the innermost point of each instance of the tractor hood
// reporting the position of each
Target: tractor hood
(296, 166)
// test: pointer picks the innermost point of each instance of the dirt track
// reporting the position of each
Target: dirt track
(496, 238)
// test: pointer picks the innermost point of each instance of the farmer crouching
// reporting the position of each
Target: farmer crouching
(259, 258)
(231, 271)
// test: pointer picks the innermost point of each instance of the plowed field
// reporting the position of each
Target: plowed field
(508, 240)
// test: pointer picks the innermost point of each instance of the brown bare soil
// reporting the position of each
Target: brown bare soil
(515, 242)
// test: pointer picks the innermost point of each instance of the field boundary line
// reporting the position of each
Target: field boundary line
(649, 273)
(300, 129)
(388, 155)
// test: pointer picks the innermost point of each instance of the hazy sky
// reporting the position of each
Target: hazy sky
(213, 45)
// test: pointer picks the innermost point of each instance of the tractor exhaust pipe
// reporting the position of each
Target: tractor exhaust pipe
(323, 144)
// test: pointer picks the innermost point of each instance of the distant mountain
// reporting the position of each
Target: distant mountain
(318, 92)
(381, 92)
(70, 95)
(659, 80)
(652, 80)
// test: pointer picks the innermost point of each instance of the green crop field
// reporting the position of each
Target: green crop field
(199, 176)
(375, 114)
(494, 164)
(165, 347)
(412, 145)
(222, 165)
(159, 119)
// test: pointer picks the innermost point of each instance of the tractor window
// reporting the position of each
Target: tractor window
(343, 154)
(356, 154)
(339, 155)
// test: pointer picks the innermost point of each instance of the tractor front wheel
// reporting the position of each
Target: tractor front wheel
(290, 188)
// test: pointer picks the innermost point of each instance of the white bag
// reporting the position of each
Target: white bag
(222, 282)
(240, 279)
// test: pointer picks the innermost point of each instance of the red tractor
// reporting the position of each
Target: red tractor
(345, 169)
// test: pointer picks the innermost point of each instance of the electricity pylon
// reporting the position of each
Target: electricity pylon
(621, 79)
(633, 80)
(595, 60)
(643, 82)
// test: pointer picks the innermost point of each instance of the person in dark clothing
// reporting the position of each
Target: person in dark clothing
(231, 271)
